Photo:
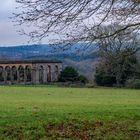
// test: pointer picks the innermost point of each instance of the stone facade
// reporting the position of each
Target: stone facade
(29, 72)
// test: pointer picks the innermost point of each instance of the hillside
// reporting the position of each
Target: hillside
(77, 56)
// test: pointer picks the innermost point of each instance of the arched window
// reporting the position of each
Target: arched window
(1, 74)
(41, 74)
(49, 74)
(8, 73)
(28, 72)
(14, 73)
(21, 73)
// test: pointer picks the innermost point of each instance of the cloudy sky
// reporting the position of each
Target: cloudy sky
(8, 32)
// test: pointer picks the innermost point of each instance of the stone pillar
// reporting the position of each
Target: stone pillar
(35, 75)
(45, 75)
(57, 72)
(52, 73)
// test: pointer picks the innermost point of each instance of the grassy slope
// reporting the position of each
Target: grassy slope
(25, 112)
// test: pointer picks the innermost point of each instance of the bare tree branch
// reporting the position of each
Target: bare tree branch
(76, 20)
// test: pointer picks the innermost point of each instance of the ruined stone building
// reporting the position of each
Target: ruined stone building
(29, 72)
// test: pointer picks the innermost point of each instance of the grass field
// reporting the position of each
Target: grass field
(49, 113)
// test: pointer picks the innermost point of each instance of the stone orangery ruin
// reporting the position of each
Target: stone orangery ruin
(29, 72)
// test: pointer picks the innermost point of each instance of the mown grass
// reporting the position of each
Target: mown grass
(48, 112)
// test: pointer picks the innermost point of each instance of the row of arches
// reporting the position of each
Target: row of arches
(26, 74)
(49, 74)
(14, 74)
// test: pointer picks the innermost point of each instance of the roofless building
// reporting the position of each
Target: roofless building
(29, 72)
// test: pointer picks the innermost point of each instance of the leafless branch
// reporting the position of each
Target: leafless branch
(76, 20)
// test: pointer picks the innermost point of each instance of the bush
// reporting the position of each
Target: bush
(133, 83)
(103, 79)
(82, 79)
(69, 74)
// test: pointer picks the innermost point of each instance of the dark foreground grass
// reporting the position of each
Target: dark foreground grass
(28, 113)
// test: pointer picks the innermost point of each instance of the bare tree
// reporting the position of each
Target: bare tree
(76, 20)
(119, 54)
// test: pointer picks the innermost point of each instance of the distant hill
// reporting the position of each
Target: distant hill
(80, 56)
(75, 52)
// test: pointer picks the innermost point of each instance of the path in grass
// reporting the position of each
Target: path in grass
(44, 112)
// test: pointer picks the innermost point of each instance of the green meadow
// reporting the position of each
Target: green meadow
(51, 113)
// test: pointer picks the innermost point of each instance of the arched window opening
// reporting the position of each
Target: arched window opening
(41, 74)
(49, 74)
(21, 73)
(8, 73)
(14, 73)
(1, 74)
(28, 72)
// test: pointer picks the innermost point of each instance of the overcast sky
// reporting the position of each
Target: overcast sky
(8, 33)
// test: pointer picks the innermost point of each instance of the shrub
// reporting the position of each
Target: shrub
(69, 74)
(103, 79)
(133, 83)
(1, 78)
(82, 79)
